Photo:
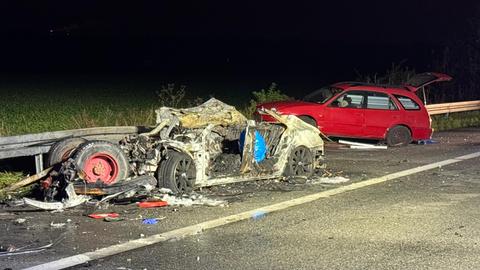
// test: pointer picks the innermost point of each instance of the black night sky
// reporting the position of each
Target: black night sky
(299, 44)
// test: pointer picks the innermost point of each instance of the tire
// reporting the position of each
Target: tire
(101, 161)
(399, 136)
(62, 150)
(309, 120)
(300, 163)
(177, 173)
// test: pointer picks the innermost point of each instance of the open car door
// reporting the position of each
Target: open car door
(423, 79)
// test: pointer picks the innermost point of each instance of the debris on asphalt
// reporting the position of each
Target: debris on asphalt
(20, 220)
(113, 219)
(357, 145)
(149, 221)
(72, 201)
(258, 215)
(329, 180)
(103, 215)
(57, 225)
(152, 204)
(192, 199)
(12, 250)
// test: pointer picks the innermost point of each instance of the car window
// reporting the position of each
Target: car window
(322, 95)
(352, 99)
(380, 101)
(408, 103)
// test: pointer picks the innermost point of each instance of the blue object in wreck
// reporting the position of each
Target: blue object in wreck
(260, 146)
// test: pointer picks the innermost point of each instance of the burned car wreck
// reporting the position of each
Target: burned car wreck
(206, 145)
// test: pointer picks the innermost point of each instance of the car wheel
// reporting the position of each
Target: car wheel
(309, 120)
(101, 161)
(300, 163)
(62, 150)
(399, 136)
(177, 173)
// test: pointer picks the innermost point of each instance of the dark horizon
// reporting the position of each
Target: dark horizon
(299, 46)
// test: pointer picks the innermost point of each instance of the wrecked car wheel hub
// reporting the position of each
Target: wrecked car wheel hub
(300, 162)
(102, 167)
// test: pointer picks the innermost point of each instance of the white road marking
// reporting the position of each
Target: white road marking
(198, 228)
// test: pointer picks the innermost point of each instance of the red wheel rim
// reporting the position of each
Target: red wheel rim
(101, 167)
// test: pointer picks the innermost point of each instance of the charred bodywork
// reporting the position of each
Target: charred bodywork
(194, 147)
(207, 138)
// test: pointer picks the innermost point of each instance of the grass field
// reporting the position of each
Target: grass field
(31, 110)
(40, 106)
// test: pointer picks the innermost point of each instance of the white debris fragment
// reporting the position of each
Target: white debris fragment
(57, 225)
(192, 200)
(165, 191)
(368, 147)
(331, 180)
(72, 201)
(357, 145)
(20, 220)
(58, 206)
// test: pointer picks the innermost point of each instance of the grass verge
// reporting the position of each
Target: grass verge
(9, 178)
(456, 120)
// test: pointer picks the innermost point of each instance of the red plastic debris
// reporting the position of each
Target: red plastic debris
(152, 204)
(104, 215)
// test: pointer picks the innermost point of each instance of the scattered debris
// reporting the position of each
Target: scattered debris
(150, 221)
(12, 250)
(165, 191)
(144, 183)
(113, 219)
(258, 215)
(330, 180)
(193, 199)
(104, 215)
(151, 204)
(357, 145)
(57, 225)
(72, 201)
(368, 147)
(20, 220)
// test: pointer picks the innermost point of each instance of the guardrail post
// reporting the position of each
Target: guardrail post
(38, 163)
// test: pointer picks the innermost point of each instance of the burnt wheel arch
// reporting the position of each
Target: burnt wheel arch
(308, 119)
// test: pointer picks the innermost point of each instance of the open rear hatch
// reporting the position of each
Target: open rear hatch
(423, 79)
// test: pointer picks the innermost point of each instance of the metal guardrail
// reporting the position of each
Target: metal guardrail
(40, 143)
(462, 106)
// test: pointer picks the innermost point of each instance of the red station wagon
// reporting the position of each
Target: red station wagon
(367, 111)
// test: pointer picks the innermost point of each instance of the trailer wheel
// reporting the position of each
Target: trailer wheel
(300, 163)
(62, 150)
(177, 173)
(101, 161)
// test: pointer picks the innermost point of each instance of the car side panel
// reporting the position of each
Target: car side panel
(377, 122)
(343, 122)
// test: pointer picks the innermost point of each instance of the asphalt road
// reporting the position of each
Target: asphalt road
(428, 220)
